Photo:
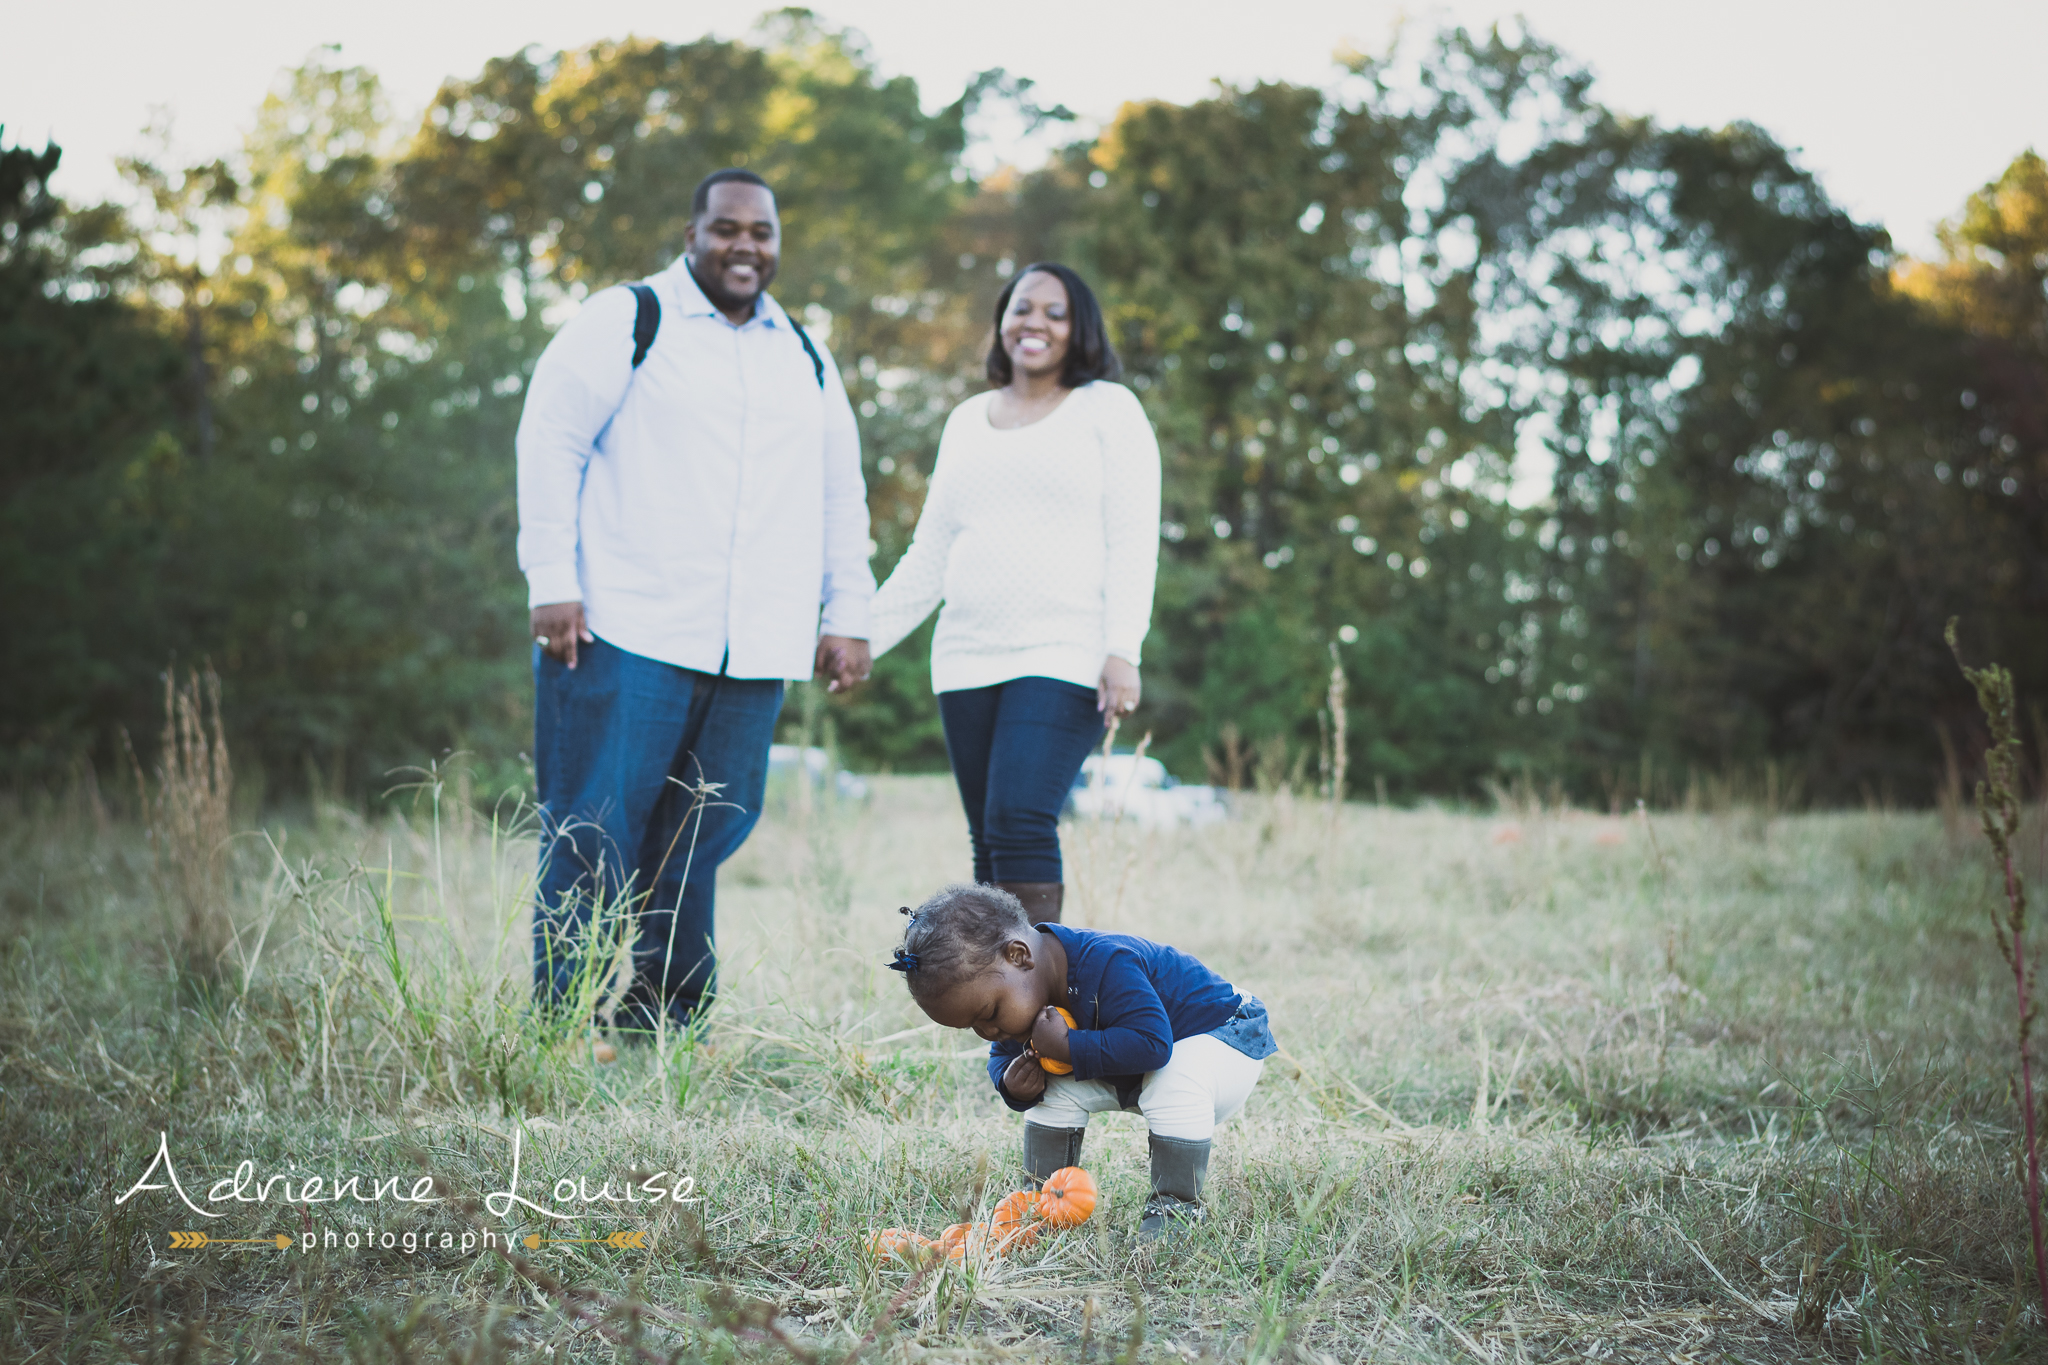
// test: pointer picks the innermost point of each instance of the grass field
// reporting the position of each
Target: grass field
(1554, 1085)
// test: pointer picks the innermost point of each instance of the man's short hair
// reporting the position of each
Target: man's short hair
(701, 200)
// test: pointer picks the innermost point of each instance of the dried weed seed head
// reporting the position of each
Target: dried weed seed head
(957, 935)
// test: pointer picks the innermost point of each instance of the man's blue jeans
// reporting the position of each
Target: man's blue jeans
(621, 746)
(1016, 748)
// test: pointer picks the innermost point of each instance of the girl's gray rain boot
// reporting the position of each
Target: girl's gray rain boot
(1178, 1168)
(1050, 1149)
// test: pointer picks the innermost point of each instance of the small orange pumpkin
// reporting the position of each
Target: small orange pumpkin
(1068, 1197)
(962, 1238)
(898, 1244)
(1018, 1242)
(1014, 1224)
(1014, 1211)
(1059, 1068)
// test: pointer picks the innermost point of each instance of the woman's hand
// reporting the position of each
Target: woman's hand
(1024, 1078)
(1117, 694)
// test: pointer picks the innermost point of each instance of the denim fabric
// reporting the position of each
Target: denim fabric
(618, 835)
(1015, 749)
(1249, 1031)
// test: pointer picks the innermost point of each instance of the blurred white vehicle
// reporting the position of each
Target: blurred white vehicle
(785, 758)
(1144, 792)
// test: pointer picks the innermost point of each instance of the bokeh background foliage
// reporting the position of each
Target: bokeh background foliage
(263, 414)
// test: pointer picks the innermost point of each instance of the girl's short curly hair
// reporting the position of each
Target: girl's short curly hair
(956, 935)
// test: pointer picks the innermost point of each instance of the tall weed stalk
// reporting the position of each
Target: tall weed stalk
(1998, 808)
(189, 818)
(1336, 734)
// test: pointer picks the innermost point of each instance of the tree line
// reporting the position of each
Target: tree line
(1602, 452)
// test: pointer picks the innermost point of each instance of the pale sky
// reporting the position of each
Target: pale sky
(1902, 109)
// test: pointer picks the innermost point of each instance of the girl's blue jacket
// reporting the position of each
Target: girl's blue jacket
(1132, 1000)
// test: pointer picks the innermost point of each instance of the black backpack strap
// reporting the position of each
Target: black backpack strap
(647, 321)
(817, 361)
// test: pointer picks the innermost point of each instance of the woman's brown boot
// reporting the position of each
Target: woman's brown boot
(1041, 899)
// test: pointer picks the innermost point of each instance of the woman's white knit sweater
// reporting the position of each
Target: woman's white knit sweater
(1042, 540)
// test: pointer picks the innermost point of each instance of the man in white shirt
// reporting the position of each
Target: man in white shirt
(693, 527)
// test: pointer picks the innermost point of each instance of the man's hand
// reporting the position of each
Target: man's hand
(1116, 695)
(843, 660)
(1024, 1078)
(558, 628)
(1049, 1035)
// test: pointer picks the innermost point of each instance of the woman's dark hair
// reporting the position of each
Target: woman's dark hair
(956, 935)
(1089, 354)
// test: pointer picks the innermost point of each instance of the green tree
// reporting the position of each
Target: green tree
(1601, 450)
(1301, 319)
(88, 404)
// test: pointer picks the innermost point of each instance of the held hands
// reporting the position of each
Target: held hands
(1117, 694)
(843, 661)
(558, 628)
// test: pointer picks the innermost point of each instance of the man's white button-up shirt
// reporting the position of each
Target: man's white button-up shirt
(706, 507)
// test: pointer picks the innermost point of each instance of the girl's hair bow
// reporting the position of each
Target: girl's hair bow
(905, 962)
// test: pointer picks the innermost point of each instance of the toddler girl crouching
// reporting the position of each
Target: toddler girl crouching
(1154, 1030)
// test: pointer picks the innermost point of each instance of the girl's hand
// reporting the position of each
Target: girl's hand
(1117, 694)
(1024, 1078)
(1049, 1035)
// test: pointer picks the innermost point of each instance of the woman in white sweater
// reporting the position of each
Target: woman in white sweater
(1041, 534)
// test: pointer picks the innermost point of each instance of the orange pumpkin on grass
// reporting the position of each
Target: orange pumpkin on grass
(957, 1241)
(1014, 1224)
(1018, 1242)
(1059, 1068)
(1067, 1198)
(899, 1244)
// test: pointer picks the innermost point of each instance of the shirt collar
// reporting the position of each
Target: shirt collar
(689, 297)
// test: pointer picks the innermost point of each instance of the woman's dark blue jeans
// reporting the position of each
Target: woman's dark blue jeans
(619, 744)
(1016, 748)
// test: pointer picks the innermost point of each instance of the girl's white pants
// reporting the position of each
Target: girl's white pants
(1204, 1082)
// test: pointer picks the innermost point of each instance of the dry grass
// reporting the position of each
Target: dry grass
(1555, 1086)
(188, 823)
